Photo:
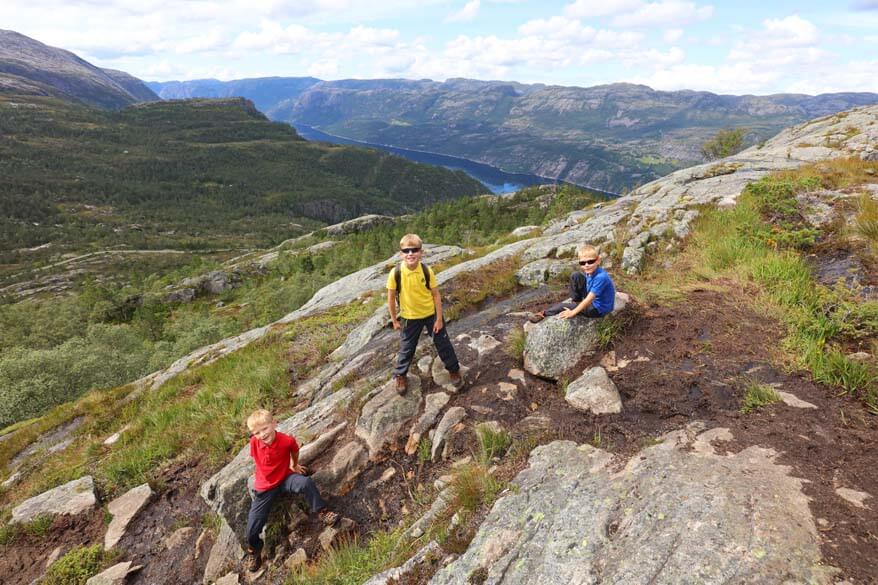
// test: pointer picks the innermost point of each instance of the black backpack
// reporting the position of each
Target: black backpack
(398, 278)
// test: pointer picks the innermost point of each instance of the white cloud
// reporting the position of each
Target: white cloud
(598, 8)
(672, 35)
(792, 31)
(469, 12)
(664, 13)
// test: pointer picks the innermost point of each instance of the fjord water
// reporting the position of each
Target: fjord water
(498, 181)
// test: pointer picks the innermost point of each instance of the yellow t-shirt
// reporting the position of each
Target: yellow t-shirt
(415, 300)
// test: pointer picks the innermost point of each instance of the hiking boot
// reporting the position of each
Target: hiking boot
(254, 560)
(402, 385)
(536, 317)
(328, 517)
(456, 379)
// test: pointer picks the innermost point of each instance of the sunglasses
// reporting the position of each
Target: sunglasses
(587, 262)
(410, 250)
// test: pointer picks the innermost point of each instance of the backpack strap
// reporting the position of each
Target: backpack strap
(426, 275)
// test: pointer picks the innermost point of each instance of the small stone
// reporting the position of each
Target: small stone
(178, 537)
(860, 356)
(484, 344)
(115, 575)
(228, 579)
(533, 406)
(444, 430)
(855, 497)
(442, 482)
(792, 400)
(298, 558)
(330, 536)
(594, 392)
(461, 462)
(424, 364)
(201, 545)
(53, 556)
(516, 375)
(507, 391)
(385, 476)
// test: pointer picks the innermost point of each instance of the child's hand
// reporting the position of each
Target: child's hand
(396, 325)
(437, 326)
(300, 469)
(566, 314)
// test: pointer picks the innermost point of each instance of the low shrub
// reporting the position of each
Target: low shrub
(758, 395)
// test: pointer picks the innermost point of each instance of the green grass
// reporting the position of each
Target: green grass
(866, 220)
(759, 241)
(470, 288)
(353, 563)
(515, 343)
(756, 396)
(474, 487)
(492, 443)
(77, 566)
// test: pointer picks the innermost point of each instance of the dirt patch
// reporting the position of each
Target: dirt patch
(24, 559)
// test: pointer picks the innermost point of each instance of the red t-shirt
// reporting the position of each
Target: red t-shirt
(272, 461)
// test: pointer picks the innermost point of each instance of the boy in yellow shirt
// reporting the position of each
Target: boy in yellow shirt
(420, 307)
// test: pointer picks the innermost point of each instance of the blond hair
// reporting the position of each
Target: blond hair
(259, 417)
(588, 249)
(410, 241)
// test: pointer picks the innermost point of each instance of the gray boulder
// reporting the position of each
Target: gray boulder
(71, 498)
(225, 553)
(387, 413)
(430, 553)
(358, 224)
(555, 345)
(674, 513)
(594, 392)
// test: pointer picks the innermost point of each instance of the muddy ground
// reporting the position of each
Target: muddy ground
(676, 364)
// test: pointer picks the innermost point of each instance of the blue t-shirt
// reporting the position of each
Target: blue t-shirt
(598, 283)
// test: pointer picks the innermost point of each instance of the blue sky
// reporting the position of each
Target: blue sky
(741, 46)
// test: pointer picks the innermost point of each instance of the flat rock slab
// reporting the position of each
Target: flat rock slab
(225, 552)
(594, 392)
(71, 498)
(115, 575)
(387, 413)
(124, 509)
(228, 579)
(432, 552)
(793, 400)
(668, 515)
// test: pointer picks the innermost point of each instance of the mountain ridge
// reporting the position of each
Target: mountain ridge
(61, 73)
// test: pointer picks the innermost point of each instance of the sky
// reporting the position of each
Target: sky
(736, 47)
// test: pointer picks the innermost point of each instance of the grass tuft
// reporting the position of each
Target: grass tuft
(474, 487)
(758, 395)
(492, 443)
(515, 342)
(353, 563)
(77, 566)
(866, 220)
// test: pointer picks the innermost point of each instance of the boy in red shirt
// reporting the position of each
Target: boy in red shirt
(277, 472)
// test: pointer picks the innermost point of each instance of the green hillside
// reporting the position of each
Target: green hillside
(195, 174)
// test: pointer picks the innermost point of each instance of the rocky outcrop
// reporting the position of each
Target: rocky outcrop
(226, 491)
(434, 403)
(383, 416)
(72, 497)
(541, 271)
(444, 430)
(359, 224)
(348, 463)
(575, 517)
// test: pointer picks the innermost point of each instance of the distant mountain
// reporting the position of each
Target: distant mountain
(608, 137)
(29, 67)
(265, 92)
(197, 173)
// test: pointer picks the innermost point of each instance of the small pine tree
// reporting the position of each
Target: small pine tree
(726, 142)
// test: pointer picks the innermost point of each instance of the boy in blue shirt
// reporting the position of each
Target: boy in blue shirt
(591, 290)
